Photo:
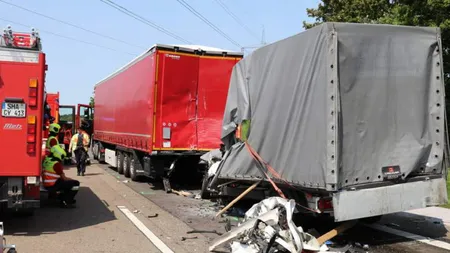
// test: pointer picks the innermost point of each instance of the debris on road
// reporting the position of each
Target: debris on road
(268, 225)
(185, 238)
(152, 216)
(204, 232)
(181, 193)
(253, 186)
(334, 232)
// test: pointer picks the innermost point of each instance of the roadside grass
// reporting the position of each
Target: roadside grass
(448, 191)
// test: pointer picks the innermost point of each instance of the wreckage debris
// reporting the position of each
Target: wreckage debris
(268, 226)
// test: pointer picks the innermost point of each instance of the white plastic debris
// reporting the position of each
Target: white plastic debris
(261, 225)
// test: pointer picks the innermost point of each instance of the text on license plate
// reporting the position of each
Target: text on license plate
(13, 110)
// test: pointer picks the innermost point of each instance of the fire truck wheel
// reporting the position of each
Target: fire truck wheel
(119, 163)
(126, 165)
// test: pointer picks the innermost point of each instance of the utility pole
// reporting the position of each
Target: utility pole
(263, 41)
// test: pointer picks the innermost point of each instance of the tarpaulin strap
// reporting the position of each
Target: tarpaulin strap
(259, 159)
(269, 168)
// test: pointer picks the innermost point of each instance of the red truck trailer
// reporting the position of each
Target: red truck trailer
(22, 80)
(162, 109)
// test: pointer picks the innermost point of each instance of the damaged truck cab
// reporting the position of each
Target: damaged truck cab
(347, 119)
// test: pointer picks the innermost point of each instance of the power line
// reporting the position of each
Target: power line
(200, 16)
(70, 24)
(227, 10)
(144, 20)
(69, 38)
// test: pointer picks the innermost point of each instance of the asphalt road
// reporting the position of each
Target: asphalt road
(199, 214)
(97, 225)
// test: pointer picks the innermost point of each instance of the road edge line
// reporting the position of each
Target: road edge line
(411, 236)
(145, 230)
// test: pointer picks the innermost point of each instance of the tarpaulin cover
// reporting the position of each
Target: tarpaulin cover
(331, 106)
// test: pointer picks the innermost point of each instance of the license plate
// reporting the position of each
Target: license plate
(13, 110)
(391, 172)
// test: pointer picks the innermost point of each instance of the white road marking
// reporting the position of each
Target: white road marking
(414, 237)
(149, 234)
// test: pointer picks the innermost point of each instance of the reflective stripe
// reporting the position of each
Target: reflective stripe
(50, 180)
(51, 174)
(75, 188)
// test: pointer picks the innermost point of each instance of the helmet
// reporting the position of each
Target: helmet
(58, 152)
(54, 128)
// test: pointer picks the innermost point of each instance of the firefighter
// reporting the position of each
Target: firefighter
(55, 180)
(52, 140)
(79, 145)
(67, 136)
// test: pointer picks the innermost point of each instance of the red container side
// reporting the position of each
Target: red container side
(213, 81)
(124, 106)
(166, 100)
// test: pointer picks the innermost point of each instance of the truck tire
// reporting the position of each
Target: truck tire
(12, 251)
(119, 162)
(133, 173)
(126, 165)
(95, 150)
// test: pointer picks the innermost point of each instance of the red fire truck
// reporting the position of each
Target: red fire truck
(163, 109)
(22, 80)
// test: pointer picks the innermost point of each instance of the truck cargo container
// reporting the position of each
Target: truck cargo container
(162, 109)
(348, 119)
(22, 81)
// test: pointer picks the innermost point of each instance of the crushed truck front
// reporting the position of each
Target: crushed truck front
(351, 115)
(22, 74)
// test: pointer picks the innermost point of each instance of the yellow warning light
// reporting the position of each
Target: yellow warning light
(31, 119)
(33, 83)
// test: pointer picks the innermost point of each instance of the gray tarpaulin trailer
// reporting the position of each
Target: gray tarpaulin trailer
(354, 112)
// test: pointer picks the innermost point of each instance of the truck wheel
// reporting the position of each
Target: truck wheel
(12, 251)
(95, 150)
(133, 173)
(126, 165)
(119, 163)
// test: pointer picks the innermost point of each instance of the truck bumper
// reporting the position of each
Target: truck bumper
(350, 205)
(24, 204)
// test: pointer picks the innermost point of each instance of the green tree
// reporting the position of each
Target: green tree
(434, 13)
(91, 102)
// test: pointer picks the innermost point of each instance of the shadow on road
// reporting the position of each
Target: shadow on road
(50, 219)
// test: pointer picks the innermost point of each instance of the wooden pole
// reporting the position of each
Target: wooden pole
(334, 232)
(237, 198)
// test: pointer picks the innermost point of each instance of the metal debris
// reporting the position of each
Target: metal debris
(185, 238)
(268, 226)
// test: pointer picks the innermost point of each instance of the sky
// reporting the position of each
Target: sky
(75, 65)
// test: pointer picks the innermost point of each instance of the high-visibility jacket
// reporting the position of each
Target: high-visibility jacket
(49, 175)
(47, 144)
(74, 141)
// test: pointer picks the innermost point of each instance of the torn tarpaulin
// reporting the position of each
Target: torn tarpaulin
(268, 226)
